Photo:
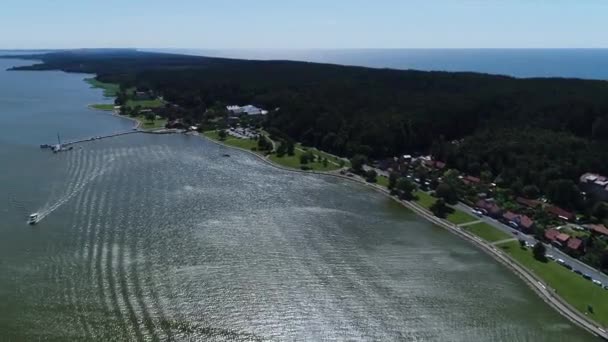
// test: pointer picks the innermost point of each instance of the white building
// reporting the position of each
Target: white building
(248, 110)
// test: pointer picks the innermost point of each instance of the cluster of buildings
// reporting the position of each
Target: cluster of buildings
(572, 243)
(520, 221)
(246, 110)
(563, 240)
(593, 184)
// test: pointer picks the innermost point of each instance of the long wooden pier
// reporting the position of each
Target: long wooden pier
(59, 147)
(73, 142)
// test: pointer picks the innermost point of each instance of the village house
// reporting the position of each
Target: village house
(522, 222)
(597, 229)
(575, 245)
(489, 207)
(528, 202)
(560, 213)
(562, 238)
(551, 234)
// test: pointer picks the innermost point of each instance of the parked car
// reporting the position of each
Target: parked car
(513, 224)
(550, 256)
(578, 272)
(586, 276)
(597, 282)
(477, 212)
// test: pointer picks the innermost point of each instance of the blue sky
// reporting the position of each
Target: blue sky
(290, 24)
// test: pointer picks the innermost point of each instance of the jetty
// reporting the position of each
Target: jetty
(67, 146)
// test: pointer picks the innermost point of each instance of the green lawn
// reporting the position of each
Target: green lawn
(288, 161)
(247, 144)
(570, 286)
(487, 232)
(425, 199)
(381, 180)
(458, 217)
(103, 106)
(109, 89)
(156, 124)
(294, 162)
(576, 233)
(331, 158)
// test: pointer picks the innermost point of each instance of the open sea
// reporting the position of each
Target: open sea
(571, 63)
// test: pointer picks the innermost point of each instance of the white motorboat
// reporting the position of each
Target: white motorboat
(33, 218)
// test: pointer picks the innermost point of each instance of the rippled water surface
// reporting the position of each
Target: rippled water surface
(161, 238)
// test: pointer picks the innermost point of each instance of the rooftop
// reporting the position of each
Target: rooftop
(551, 234)
(557, 211)
(471, 179)
(598, 228)
(528, 202)
(511, 216)
(575, 243)
(561, 237)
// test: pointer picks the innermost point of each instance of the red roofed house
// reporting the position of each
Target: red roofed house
(562, 238)
(575, 244)
(525, 222)
(471, 180)
(551, 234)
(510, 216)
(528, 202)
(561, 213)
(599, 229)
(490, 207)
(522, 221)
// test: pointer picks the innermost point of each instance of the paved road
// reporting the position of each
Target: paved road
(551, 250)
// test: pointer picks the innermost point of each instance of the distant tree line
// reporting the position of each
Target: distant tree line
(531, 135)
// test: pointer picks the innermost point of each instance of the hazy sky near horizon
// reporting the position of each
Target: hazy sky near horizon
(304, 24)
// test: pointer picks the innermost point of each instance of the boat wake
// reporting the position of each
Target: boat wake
(83, 168)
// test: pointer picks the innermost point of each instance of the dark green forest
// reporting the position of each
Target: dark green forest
(523, 131)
